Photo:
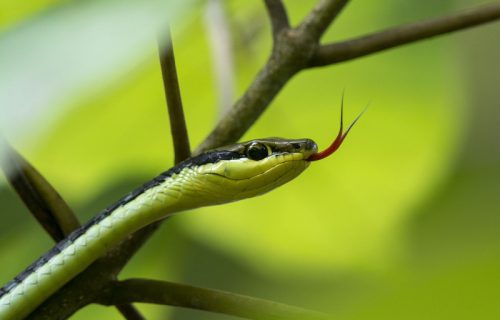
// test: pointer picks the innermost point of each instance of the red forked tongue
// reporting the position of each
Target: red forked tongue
(340, 136)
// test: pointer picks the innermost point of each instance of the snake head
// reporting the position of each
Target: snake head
(254, 167)
(340, 136)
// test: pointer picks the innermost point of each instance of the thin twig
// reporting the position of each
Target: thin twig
(383, 40)
(173, 294)
(129, 312)
(321, 17)
(120, 256)
(174, 103)
(277, 15)
(42, 200)
(117, 258)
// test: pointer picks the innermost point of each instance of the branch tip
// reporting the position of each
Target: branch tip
(278, 16)
(321, 17)
(178, 126)
(394, 37)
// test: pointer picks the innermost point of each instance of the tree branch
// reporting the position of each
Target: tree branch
(292, 51)
(383, 40)
(119, 256)
(173, 294)
(295, 46)
(278, 16)
(129, 312)
(41, 199)
(320, 18)
(122, 254)
(174, 103)
(254, 101)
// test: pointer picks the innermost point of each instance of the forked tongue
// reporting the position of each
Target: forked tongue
(340, 136)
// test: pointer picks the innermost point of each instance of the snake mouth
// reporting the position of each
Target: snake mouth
(239, 187)
(220, 175)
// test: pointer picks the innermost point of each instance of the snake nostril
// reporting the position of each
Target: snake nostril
(311, 145)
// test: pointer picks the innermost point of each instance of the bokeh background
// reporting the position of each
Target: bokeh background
(402, 223)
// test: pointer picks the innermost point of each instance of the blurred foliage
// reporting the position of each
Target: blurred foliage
(402, 223)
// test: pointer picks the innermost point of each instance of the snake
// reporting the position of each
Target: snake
(226, 174)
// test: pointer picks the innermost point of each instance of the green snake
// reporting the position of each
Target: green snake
(222, 175)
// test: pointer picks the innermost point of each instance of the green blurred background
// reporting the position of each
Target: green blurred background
(404, 222)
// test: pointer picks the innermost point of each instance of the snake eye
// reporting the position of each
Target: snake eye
(257, 151)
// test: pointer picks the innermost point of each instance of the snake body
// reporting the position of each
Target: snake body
(219, 176)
